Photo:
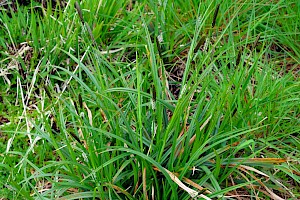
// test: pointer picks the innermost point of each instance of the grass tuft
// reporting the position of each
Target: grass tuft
(150, 100)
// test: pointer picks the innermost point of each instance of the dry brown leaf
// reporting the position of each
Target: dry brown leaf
(271, 193)
(192, 193)
(90, 116)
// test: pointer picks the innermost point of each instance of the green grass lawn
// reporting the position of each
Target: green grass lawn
(125, 99)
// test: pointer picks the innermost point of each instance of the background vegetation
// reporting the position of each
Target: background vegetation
(158, 99)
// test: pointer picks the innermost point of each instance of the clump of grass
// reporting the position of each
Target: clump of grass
(151, 100)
